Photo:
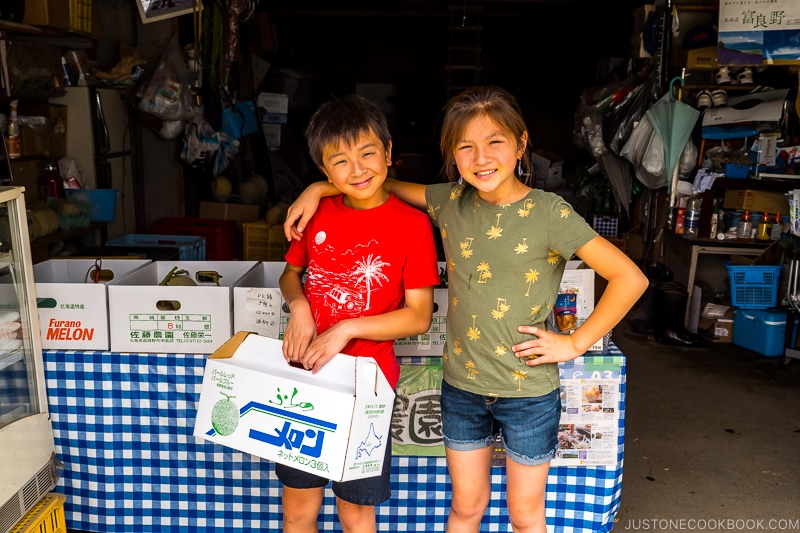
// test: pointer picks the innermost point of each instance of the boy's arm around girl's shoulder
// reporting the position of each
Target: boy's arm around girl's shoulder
(302, 209)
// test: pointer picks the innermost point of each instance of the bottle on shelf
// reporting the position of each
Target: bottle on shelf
(764, 227)
(692, 222)
(50, 182)
(745, 228)
(14, 140)
(714, 223)
(777, 227)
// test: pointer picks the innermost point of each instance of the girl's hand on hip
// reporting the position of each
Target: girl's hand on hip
(546, 347)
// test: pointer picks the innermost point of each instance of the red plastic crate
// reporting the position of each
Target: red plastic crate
(222, 236)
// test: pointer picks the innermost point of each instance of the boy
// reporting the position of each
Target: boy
(371, 267)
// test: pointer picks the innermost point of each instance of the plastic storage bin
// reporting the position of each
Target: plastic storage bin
(736, 170)
(104, 202)
(47, 516)
(190, 248)
(754, 286)
(760, 330)
(221, 236)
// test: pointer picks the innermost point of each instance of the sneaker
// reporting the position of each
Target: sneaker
(745, 76)
(723, 76)
(719, 98)
(704, 100)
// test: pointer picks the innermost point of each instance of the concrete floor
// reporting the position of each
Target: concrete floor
(712, 438)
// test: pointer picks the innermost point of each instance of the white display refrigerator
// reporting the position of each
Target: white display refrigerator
(27, 448)
(99, 139)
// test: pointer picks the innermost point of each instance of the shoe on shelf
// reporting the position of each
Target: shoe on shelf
(745, 76)
(719, 98)
(723, 76)
(704, 100)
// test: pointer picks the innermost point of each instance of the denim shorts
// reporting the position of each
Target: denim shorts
(367, 491)
(528, 427)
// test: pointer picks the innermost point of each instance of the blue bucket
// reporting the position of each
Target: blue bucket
(104, 202)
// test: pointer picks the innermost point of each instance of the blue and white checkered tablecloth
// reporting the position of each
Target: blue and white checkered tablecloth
(123, 429)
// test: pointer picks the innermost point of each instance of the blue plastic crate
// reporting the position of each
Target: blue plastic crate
(754, 286)
(190, 248)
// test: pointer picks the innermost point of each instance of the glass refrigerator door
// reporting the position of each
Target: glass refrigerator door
(19, 397)
(26, 435)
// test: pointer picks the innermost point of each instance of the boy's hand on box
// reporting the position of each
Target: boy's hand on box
(326, 346)
(300, 331)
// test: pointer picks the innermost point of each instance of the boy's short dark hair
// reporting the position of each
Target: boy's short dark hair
(342, 121)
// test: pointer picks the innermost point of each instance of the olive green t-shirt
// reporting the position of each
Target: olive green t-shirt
(504, 267)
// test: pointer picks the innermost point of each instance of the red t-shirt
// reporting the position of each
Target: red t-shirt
(359, 262)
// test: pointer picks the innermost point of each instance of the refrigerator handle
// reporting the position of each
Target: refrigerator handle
(104, 142)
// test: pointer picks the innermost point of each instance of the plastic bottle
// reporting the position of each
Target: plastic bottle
(14, 141)
(50, 181)
(764, 227)
(777, 227)
(745, 228)
(692, 223)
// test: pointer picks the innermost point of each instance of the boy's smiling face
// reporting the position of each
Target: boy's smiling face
(358, 170)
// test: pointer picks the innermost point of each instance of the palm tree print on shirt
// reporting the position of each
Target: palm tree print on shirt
(369, 271)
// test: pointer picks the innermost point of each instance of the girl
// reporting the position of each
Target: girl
(506, 247)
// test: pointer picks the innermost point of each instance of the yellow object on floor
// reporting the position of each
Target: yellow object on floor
(47, 516)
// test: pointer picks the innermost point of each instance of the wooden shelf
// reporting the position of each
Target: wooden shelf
(39, 247)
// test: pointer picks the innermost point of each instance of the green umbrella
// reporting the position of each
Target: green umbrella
(673, 122)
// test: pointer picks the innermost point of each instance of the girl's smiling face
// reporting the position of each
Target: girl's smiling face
(486, 157)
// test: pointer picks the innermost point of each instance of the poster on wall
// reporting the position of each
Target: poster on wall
(755, 32)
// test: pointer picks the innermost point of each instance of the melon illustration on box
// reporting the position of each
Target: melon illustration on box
(225, 416)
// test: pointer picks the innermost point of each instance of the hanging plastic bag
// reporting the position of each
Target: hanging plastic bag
(619, 120)
(167, 94)
(240, 119)
(205, 149)
(645, 153)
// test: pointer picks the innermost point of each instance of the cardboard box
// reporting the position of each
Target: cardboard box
(755, 201)
(34, 142)
(148, 317)
(772, 255)
(274, 118)
(430, 343)
(26, 174)
(273, 102)
(580, 281)
(547, 166)
(272, 135)
(705, 57)
(716, 323)
(228, 211)
(258, 304)
(73, 310)
(50, 13)
(333, 423)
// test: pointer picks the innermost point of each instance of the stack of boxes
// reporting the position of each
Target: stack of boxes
(273, 109)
